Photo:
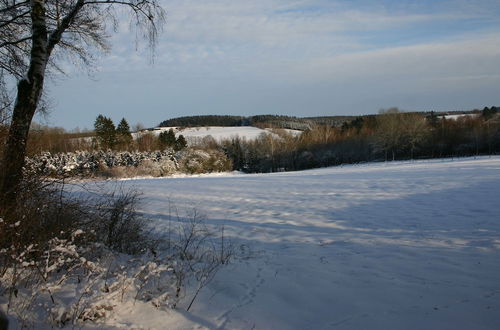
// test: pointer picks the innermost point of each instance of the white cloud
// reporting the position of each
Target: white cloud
(305, 57)
(428, 61)
(276, 24)
(239, 31)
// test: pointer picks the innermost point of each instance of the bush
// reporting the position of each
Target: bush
(112, 164)
(195, 161)
(118, 225)
(45, 209)
(147, 167)
(69, 254)
(102, 163)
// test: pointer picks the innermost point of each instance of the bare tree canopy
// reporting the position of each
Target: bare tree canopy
(73, 28)
(35, 35)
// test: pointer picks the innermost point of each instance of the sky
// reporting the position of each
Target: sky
(291, 57)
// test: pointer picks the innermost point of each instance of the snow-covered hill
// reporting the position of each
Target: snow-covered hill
(400, 245)
(193, 134)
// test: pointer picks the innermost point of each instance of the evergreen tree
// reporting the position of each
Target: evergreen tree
(181, 143)
(105, 132)
(123, 136)
(167, 139)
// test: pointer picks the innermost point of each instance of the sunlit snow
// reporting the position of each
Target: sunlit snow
(219, 133)
(398, 245)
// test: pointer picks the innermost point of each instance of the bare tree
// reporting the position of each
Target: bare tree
(415, 129)
(34, 36)
(389, 134)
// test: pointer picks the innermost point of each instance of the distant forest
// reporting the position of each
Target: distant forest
(278, 121)
(390, 135)
(330, 140)
(273, 121)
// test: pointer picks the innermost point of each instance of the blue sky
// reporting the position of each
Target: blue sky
(295, 57)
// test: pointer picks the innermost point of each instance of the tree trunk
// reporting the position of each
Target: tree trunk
(29, 90)
(15, 149)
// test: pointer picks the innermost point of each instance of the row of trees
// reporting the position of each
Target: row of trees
(391, 135)
(167, 139)
(120, 138)
(105, 136)
(276, 121)
(205, 120)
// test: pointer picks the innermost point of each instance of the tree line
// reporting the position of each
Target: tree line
(107, 136)
(276, 121)
(390, 135)
(207, 120)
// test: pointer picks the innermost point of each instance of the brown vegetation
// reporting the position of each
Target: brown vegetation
(93, 245)
(391, 135)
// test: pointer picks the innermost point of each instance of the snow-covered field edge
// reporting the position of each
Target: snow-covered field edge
(389, 245)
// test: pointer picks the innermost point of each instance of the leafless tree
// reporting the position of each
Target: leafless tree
(414, 127)
(35, 35)
(389, 134)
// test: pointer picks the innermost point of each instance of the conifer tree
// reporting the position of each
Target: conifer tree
(105, 132)
(167, 139)
(123, 135)
(180, 143)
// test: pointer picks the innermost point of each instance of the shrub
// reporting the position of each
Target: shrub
(69, 254)
(117, 225)
(107, 164)
(195, 161)
(46, 209)
(147, 167)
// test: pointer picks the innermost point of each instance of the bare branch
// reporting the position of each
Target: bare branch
(14, 20)
(13, 6)
(56, 35)
(14, 42)
(75, 29)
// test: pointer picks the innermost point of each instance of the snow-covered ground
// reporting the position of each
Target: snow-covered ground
(193, 134)
(398, 245)
(456, 117)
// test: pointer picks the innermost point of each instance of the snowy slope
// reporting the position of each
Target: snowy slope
(401, 245)
(456, 117)
(218, 133)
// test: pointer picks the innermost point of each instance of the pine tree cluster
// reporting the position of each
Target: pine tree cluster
(167, 139)
(110, 137)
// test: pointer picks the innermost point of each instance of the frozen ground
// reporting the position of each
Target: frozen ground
(399, 245)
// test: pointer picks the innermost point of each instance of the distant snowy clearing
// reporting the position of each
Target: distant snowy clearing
(193, 134)
(397, 245)
(456, 117)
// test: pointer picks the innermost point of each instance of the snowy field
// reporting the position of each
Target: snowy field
(398, 245)
(196, 134)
